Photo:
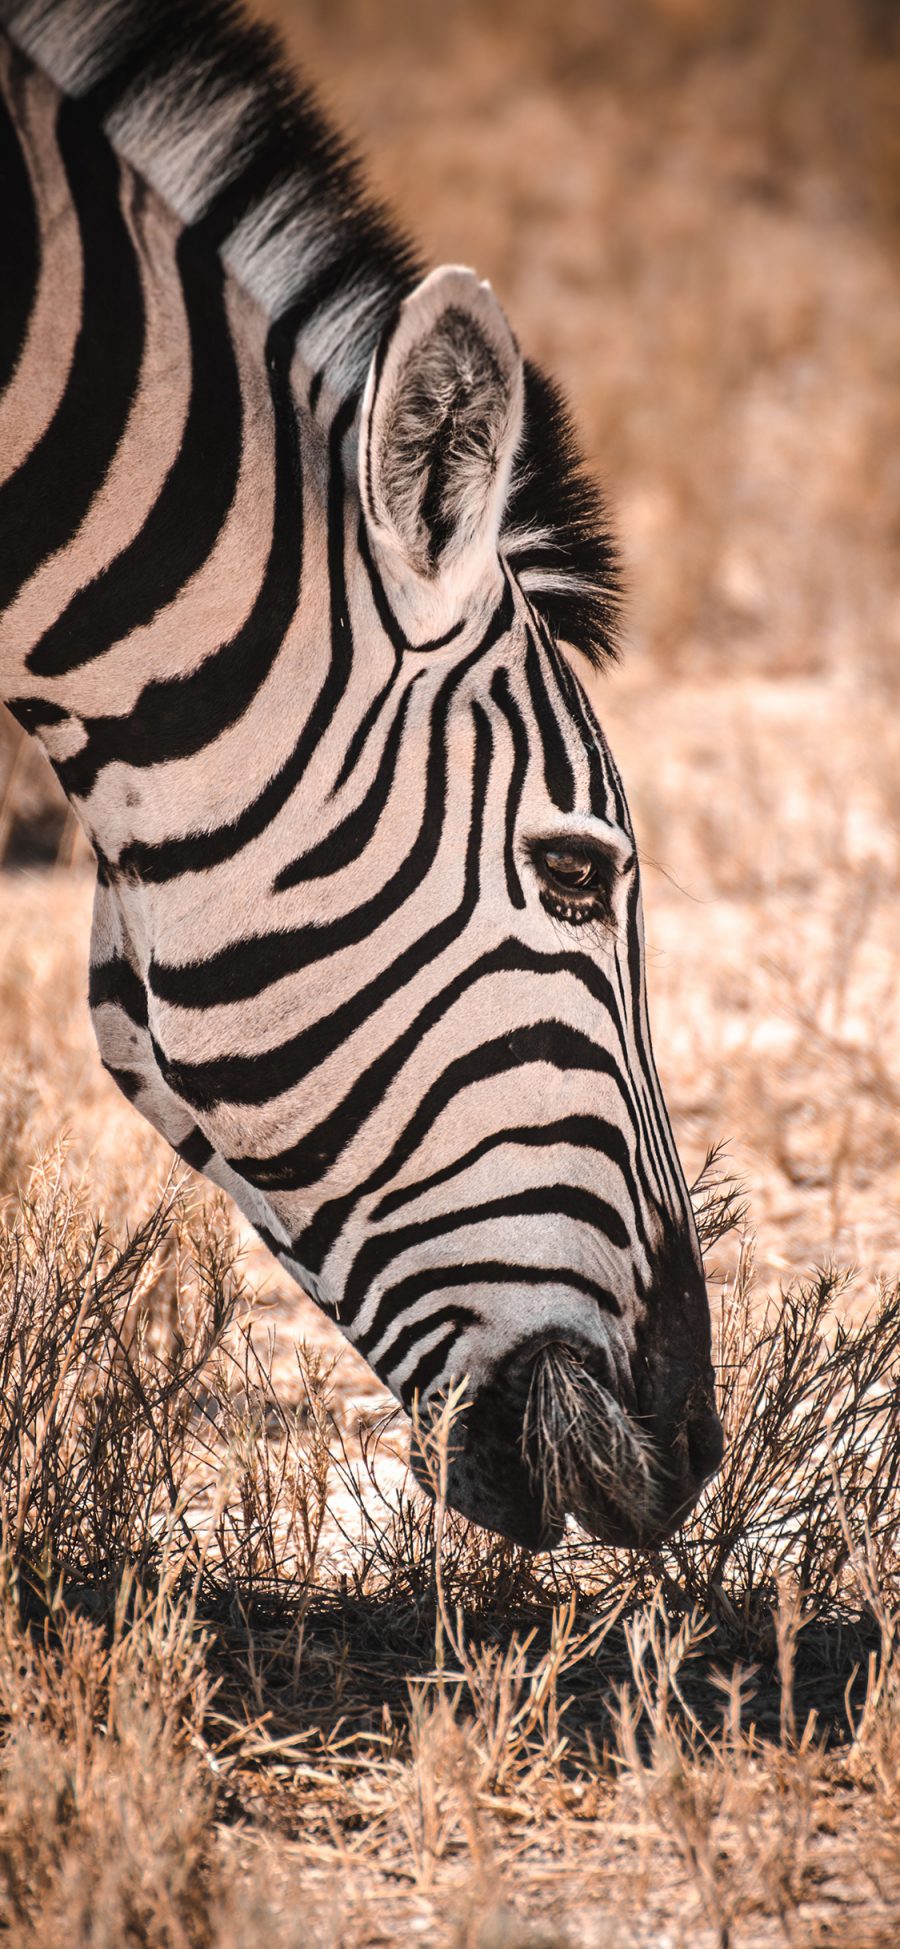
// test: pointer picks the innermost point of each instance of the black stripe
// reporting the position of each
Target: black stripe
(597, 737)
(253, 1079)
(398, 1349)
(659, 1128)
(656, 1139)
(360, 736)
(581, 1132)
(505, 702)
(33, 713)
(117, 981)
(348, 839)
(440, 642)
(398, 641)
(543, 1201)
(616, 786)
(247, 967)
(129, 1081)
(396, 636)
(196, 852)
(378, 364)
(598, 787)
(249, 188)
(485, 1272)
(197, 1151)
(558, 772)
(19, 241)
(400, 646)
(182, 526)
(44, 502)
(342, 268)
(554, 1043)
(137, 37)
(432, 1362)
(647, 1150)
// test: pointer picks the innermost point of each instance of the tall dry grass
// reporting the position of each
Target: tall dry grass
(243, 1668)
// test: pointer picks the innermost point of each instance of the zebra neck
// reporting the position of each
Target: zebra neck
(142, 124)
(169, 492)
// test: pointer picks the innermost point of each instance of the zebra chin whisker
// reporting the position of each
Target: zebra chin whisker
(582, 1448)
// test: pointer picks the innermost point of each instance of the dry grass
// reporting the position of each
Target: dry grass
(251, 1688)
(247, 1676)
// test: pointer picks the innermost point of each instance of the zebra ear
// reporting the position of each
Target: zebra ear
(441, 418)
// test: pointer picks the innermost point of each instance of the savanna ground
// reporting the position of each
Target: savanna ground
(246, 1693)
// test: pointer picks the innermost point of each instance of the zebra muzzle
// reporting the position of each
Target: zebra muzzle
(544, 1439)
(549, 1437)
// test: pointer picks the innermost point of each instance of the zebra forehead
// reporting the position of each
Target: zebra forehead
(200, 103)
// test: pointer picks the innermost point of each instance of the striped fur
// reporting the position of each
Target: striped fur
(290, 540)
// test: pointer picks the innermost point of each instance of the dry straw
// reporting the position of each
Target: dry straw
(212, 1589)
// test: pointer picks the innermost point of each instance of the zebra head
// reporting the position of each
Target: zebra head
(420, 1057)
(519, 1215)
(487, 1178)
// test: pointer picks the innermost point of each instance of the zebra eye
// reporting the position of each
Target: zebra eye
(571, 869)
(575, 881)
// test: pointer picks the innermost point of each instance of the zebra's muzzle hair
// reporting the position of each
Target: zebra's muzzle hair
(584, 1454)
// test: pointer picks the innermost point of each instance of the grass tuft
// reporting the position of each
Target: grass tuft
(226, 1630)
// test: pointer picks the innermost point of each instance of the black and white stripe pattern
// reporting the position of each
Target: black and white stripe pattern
(289, 542)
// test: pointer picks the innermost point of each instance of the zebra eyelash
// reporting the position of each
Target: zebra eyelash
(569, 911)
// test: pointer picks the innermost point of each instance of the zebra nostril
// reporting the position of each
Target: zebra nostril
(706, 1444)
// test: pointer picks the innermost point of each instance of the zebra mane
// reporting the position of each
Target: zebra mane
(199, 101)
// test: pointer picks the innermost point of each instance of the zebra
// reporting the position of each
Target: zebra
(302, 582)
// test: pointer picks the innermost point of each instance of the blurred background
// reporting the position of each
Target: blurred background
(691, 209)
